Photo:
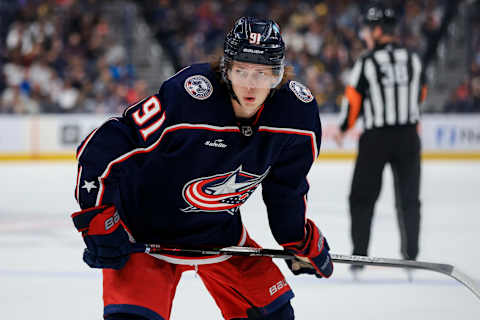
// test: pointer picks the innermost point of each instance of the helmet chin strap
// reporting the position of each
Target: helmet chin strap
(230, 90)
(227, 81)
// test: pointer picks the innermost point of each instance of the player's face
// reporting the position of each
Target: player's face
(251, 84)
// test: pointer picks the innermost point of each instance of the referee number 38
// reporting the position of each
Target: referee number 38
(394, 74)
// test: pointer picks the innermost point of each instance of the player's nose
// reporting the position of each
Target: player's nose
(251, 82)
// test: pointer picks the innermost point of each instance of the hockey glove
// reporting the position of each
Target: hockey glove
(108, 241)
(312, 256)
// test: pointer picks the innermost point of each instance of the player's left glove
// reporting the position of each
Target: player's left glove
(109, 244)
(312, 255)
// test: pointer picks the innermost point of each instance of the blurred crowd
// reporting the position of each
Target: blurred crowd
(59, 56)
(322, 37)
(62, 56)
(466, 97)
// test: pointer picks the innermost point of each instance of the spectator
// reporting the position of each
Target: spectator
(52, 49)
(74, 36)
(322, 35)
(475, 101)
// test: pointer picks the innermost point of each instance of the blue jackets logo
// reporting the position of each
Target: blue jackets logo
(198, 87)
(303, 93)
(222, 192)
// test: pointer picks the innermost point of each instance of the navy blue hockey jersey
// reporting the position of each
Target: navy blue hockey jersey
(178, 166)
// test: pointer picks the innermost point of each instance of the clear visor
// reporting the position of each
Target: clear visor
(253, 75)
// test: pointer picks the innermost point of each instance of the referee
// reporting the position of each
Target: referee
(386, 88)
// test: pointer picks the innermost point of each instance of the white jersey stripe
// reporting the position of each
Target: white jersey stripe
(402, 104)
(343, 111)
(295, 131)
(401, 58)
(355, 73)
(368, 114)
(415, 89)
(79, 175)
(376, 96)
(390, 111)
(383, 60)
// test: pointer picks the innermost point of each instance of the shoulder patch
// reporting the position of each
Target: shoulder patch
(301, 91)
(198, 87)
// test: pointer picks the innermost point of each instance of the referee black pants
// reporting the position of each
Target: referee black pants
(400, 147)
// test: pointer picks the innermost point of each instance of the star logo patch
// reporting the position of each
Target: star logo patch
(89, 185)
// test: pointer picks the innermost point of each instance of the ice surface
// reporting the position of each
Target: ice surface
(42, 275)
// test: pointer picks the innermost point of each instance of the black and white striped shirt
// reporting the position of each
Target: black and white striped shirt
(386, 87)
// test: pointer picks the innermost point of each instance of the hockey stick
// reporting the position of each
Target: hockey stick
(446, 269)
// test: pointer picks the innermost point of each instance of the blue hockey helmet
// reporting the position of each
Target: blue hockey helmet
(256, 41)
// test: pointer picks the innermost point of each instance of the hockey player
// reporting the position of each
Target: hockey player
(177, 166)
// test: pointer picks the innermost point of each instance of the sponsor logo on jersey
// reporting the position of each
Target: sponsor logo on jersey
(222, 192)
(198, 87)
(302, 92)
(218, 143)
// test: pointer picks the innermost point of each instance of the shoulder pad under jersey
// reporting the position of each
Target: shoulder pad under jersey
(195, 82)
(295, 106)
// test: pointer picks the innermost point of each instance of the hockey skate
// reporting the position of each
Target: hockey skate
(356, 269)
(409, 273)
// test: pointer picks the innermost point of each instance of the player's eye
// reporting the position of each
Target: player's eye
(261, 75)
(240, 72)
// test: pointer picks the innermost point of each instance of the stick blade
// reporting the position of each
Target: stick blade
(466, 280)
(446, 269)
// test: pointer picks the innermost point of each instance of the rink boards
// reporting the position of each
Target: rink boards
(55, 137)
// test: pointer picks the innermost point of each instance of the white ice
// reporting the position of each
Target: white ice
(42, 275)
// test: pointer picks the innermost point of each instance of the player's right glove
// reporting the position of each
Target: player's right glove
(108, 241)
(312, 255)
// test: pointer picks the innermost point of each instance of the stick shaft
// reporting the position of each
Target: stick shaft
(446, 269)
(230, 251)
